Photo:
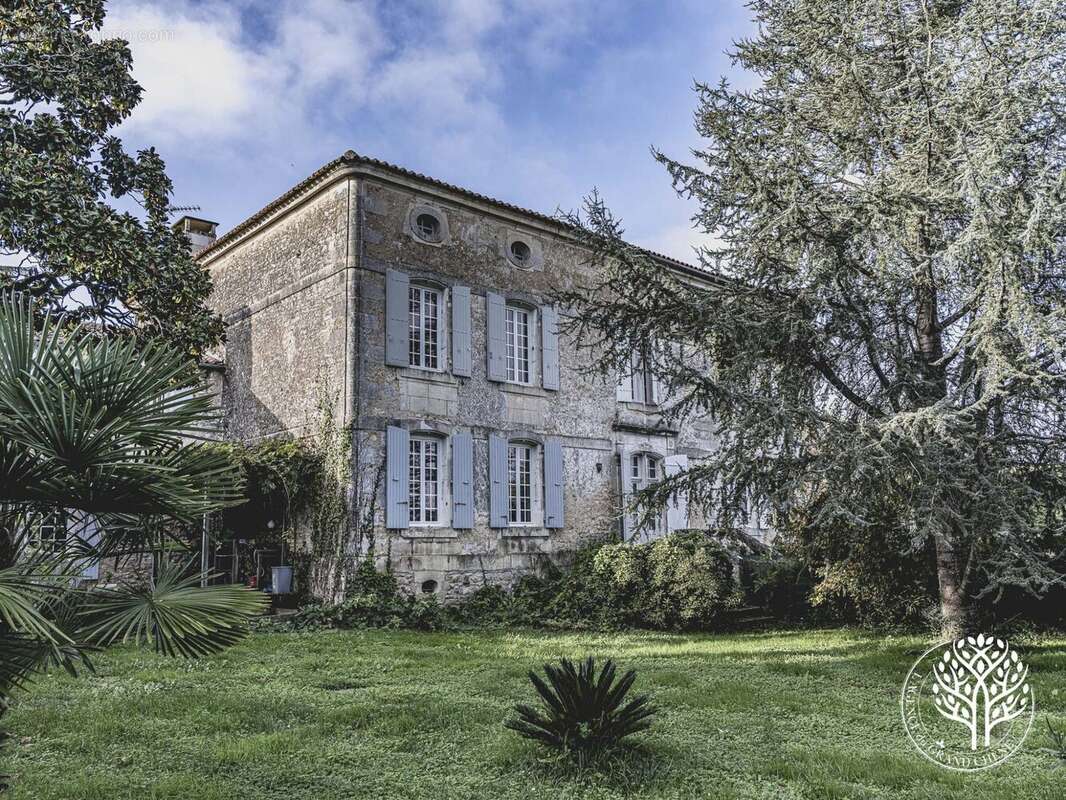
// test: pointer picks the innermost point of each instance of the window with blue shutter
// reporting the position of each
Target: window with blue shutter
(461, 359)
(498, 509)
(553, 484)
(397, 318)
(495, 324)
(462, 481)
(397, 479)
(549, 328)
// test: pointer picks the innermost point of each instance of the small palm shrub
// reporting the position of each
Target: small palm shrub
(583, 714)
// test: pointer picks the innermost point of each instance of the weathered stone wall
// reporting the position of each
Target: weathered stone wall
(584, 412)
(283, 294)
(304, 302)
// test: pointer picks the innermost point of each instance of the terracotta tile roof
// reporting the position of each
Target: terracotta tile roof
(351, 158)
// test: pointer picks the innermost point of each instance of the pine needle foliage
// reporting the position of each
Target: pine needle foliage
(883, 313)
(584, 713)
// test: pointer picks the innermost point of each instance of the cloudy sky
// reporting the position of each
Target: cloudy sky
(535, 102)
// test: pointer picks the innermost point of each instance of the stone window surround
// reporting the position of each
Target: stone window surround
(536, 250)
(535, 529)
(421, 207)
(444, 505)
(533, 342)
(444, 323)
(426, 428)
(647, 454)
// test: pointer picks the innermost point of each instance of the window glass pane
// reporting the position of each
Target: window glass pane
(511, 353)
(430, 308)
(520, 483)
(512, 484)
(414, 340)
(415, 480)
(424, 474)
(424, 327)
(517, 335)
(431, 482)
(525, 483)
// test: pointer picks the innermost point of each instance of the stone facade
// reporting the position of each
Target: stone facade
(303, 288)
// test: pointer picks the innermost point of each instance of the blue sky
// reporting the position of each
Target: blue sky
(534, 102)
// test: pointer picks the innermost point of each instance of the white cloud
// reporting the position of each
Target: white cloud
(206, 79)
(197, 80)
(533, 101)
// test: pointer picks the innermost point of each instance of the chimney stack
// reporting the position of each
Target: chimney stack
(200, 232)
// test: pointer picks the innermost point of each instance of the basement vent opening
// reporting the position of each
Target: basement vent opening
(429, 587)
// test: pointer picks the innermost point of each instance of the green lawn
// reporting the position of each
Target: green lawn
(407, 715)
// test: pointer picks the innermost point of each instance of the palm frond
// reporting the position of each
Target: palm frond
(583, 713)
(175, 615)
(104, 425)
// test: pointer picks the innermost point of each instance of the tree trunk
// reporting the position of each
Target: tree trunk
(953, 611)
(930, 341)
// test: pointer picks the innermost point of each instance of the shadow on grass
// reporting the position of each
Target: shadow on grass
(628, 768)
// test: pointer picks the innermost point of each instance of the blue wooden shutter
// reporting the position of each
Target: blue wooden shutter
(462, 481)
(397, 318)
(90, 534)
(677, 511)
(461, 361)
(549, 329)
(553, 484)
(498, 515)
(397, 486)
(495, 335)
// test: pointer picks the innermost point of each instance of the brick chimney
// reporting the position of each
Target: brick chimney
(200, 232)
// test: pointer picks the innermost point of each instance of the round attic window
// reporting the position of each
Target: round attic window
(520, 253)
(427, 227)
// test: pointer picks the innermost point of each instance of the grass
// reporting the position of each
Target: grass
(408, 715)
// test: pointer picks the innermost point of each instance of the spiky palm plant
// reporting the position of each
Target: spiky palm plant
(583, 714)
(108, 432)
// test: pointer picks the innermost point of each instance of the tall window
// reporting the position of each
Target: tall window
(644, 470)
(519, 331)
(424, 473)
(643, 385)
(424, 340)
(520, 483)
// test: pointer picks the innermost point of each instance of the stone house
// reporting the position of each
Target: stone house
(424, 308)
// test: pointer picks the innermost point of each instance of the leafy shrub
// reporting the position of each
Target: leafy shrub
(680, 582)
(374, 600)
(683, 581)
(869, 574)
(782, 585)
(583, 714)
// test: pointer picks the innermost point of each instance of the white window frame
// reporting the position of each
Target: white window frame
(419, 463)
(512, 341)
(641, 368)
(515, 516)
(57, 525)
(419, 356)
(643, 470)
